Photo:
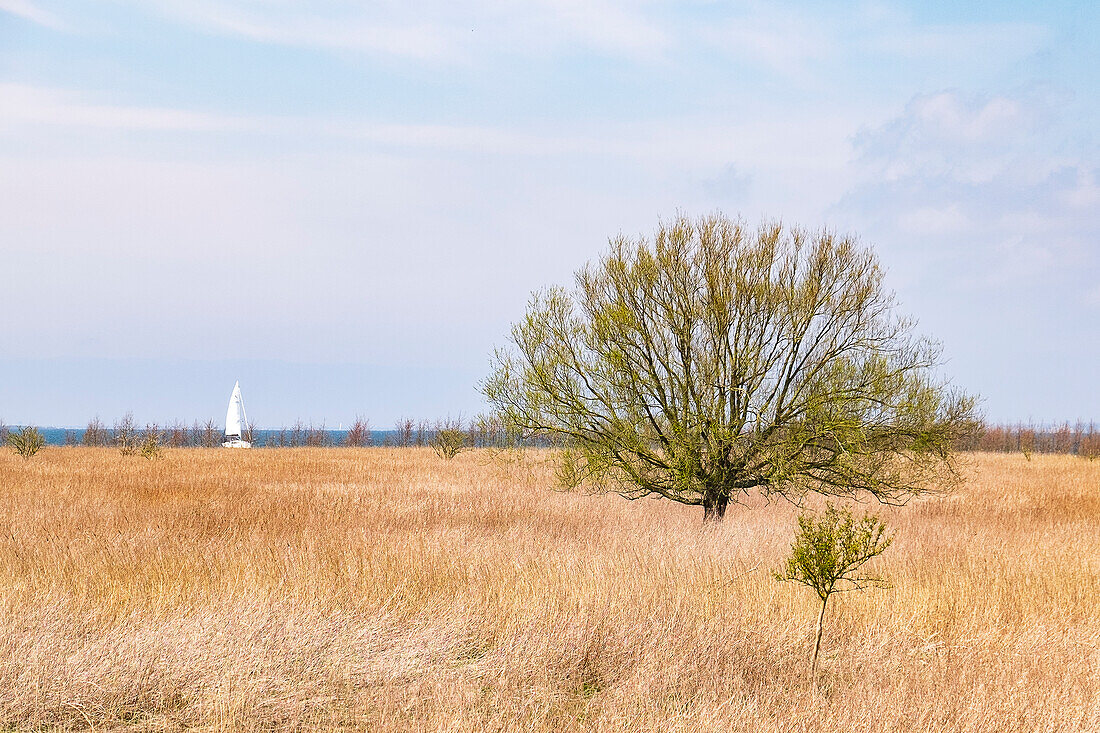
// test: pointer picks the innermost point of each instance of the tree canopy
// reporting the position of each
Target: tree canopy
(715, 360)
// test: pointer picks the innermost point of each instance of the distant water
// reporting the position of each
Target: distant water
(61, 436)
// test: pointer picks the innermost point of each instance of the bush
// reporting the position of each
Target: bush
(359, 435)
(150, 448)
(126, 435)
(26, 442)
(317, 437)
(449, 442)
(96, 434)
(827, 554)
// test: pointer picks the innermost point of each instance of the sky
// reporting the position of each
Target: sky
(346, 205)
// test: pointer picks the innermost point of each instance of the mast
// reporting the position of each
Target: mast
(244, 416)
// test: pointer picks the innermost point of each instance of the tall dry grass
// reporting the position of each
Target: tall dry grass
(389, 590)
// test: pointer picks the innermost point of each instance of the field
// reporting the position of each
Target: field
(390, 590)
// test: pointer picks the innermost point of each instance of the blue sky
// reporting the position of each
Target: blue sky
(345, 205)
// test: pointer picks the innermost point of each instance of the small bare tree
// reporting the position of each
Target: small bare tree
(298, 434)
(359, 435)
(211, 435)
(26, 442)
(317, 437)
(827, 554)
(126, 435)
(96, 434)
(177, 435)
(403, 432)
(279, 438)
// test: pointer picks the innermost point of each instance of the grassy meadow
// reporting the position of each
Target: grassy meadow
(390, 590)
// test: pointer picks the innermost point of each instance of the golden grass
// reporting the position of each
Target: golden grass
(389, 590)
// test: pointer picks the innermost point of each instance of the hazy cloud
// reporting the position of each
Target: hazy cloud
(434, 31)
(29, 11)
(24, 105)
(386, 182)
(984, 180)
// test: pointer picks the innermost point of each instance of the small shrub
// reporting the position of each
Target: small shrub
(316, 437)
(26, 442)
(210, 435)
(449, 442)
(359, 435)
(126, 435)
(96, 434)
(403, 432)
(827, 554)
(150, 447)
(176, 435)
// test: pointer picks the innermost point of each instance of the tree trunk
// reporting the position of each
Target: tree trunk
(714, 508)
(817, 645)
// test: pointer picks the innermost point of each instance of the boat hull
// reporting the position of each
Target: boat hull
(236, 444)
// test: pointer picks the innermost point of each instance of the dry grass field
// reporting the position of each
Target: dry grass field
(389, 590)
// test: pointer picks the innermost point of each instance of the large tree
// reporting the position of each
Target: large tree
(715, 360)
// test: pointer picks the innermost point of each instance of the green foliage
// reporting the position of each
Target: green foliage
(26, 442)
(828, 553)
(150, 447)
(449, 442)
(714, 361)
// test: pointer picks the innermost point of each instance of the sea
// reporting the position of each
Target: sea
(269, 438)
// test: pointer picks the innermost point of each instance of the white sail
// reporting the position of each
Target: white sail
(233, 414)
(235, 421)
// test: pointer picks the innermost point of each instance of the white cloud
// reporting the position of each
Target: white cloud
(434, 31)
(952, 118)
(981, 198)
(814, 47)
(1092, 297)
(24, 105)
(305, 26)
(351, 214)
(970, 42)
(934, 220)
(814, 145)
(787, 43)
(604, 25)
(986, 182)
(972, 138)
(1086, 193)
(29, 11)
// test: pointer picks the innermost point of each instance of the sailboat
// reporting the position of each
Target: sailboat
(236, 422)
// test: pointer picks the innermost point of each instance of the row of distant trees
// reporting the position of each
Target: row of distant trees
(483, 431)
(127, 432)
(488, 431)
(1078, 439)
(479, 432)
